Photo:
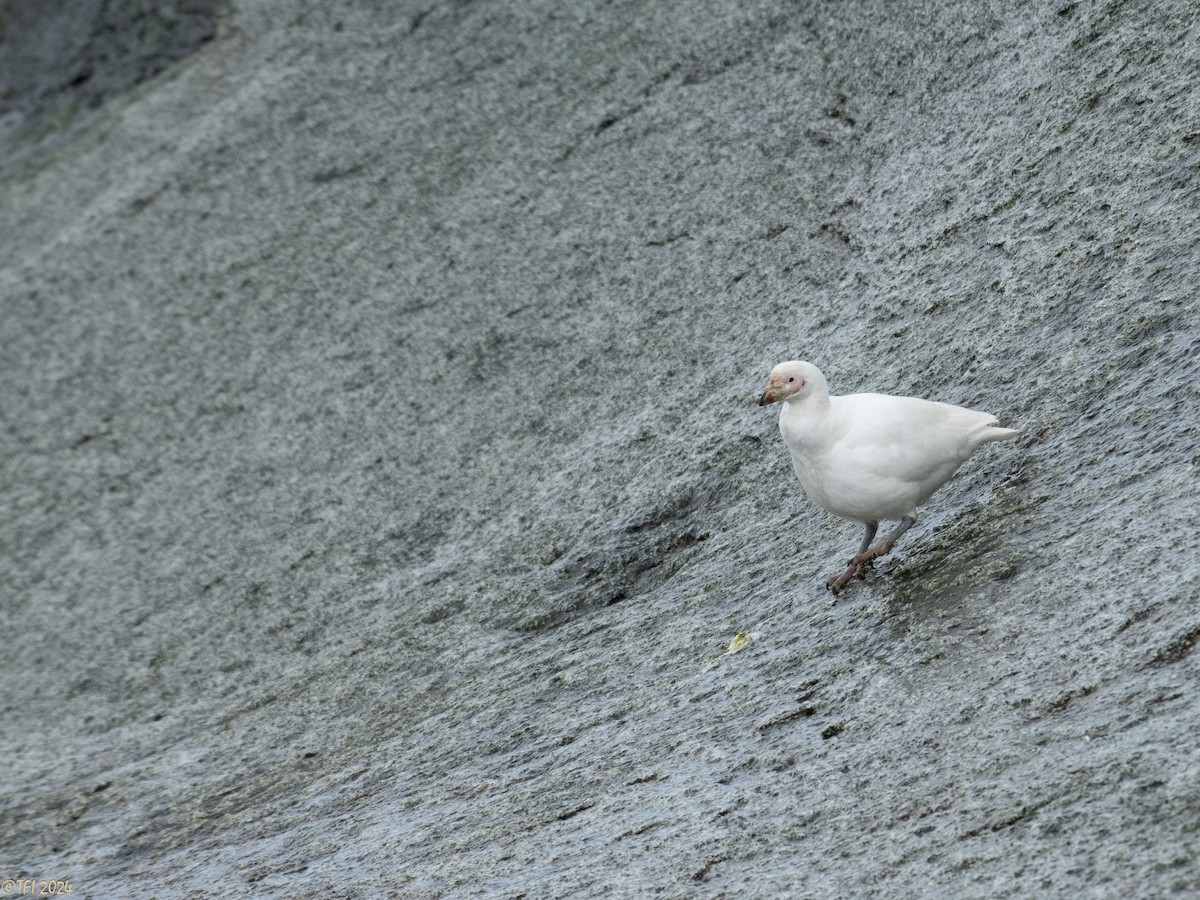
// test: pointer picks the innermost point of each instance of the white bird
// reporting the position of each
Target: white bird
(868, 457)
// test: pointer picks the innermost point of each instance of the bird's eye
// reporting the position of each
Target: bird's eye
(791, 380)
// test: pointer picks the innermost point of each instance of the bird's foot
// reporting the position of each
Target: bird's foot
(867, 558)
(856, 570)
(860, 565)
(865, 561)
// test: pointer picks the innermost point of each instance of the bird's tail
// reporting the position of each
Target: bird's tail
(996, 433)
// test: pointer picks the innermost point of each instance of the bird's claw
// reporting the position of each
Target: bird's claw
(838, 583)
(859, 567)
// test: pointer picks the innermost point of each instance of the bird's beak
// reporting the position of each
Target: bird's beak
(773, 394)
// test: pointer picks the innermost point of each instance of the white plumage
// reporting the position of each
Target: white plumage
(868, 457)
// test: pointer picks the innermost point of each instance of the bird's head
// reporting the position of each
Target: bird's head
(792, 381)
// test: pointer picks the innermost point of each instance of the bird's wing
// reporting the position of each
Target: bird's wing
(906, 438)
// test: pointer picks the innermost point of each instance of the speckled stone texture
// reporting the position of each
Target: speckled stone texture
(384, 492)
(60, 60)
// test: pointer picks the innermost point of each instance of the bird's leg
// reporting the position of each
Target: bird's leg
(885, 546)
(872, 527)
(867, 555)
(858, 568)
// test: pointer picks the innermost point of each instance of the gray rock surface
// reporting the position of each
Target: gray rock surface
(384, 492)
(62, 59)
